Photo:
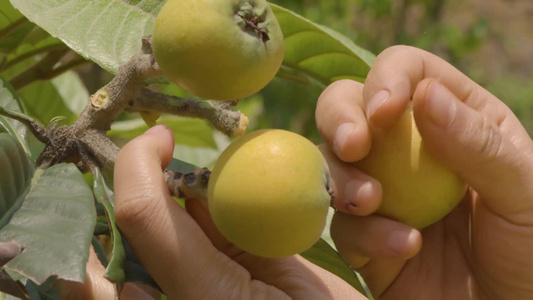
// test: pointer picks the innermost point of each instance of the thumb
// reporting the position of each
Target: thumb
(480, 139)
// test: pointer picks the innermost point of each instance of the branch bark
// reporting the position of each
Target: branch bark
(36, 71)
(222, 117)
(85, 142)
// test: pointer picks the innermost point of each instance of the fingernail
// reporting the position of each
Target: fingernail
(156, 128)
(341, 135)
(376, 102)
(440, 105)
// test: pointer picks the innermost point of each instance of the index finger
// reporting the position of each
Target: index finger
(341, 120)
(396, 73)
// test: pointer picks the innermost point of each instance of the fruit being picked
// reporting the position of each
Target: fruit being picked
(218, 49)
(417, 190)
(268, 193)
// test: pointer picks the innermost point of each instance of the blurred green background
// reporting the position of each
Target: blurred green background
(490, 41)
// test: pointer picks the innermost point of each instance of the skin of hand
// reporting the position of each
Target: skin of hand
(96, 287)
(483, 248)
(182, 249)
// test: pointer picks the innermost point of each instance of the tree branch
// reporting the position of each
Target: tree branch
(85, 142)
(36, 129)
(190, 185)
(36, 71)
(12, 27)
(219, 113)
(87, 135)
(64, 67)
(109, 101)
(33, 53)
(101, 147)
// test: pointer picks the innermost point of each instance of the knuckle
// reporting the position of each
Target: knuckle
(489, 140)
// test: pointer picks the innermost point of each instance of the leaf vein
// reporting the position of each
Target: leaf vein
(91, 26)
(135, 7)
(117, 36)
(46, 12)
(74, 16)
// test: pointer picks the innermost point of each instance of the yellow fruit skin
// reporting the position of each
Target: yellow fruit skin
(201, 46)
(417, 190)
(268, 193)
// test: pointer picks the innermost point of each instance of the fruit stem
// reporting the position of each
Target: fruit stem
(188, 185)
(218, 113)
(85, 141)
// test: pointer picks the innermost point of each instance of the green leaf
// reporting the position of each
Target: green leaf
(106, 31)
(34, 42)
(21, 39)
(201, 156)
(324, 256)
(10, 101)
(15, 182)
(54, 223)
(8, 15)
(16, 34)
(100, 252)
(102, 226)
(17, 173)
(44, 100)
(177, 165)
(13, 27)
(7, 284)
(109, 33)
(72, 91)
(315, 54)
(123, 265)
(134, 270)
(48, 290)
(105, 196)
(187, 131)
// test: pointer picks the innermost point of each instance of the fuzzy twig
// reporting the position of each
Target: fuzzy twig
(33, 53)
(101, 147)
(36, 129)
(227, 121)
(89, 130)
(85, 141)
(189, 185)
(36, 71)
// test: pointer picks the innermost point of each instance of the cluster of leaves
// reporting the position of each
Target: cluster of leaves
(52, 216)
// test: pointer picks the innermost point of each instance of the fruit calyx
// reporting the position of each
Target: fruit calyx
(249, 20)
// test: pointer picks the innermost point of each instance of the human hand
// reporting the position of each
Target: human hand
(97, 287)
(482, 249)
(182, 249)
